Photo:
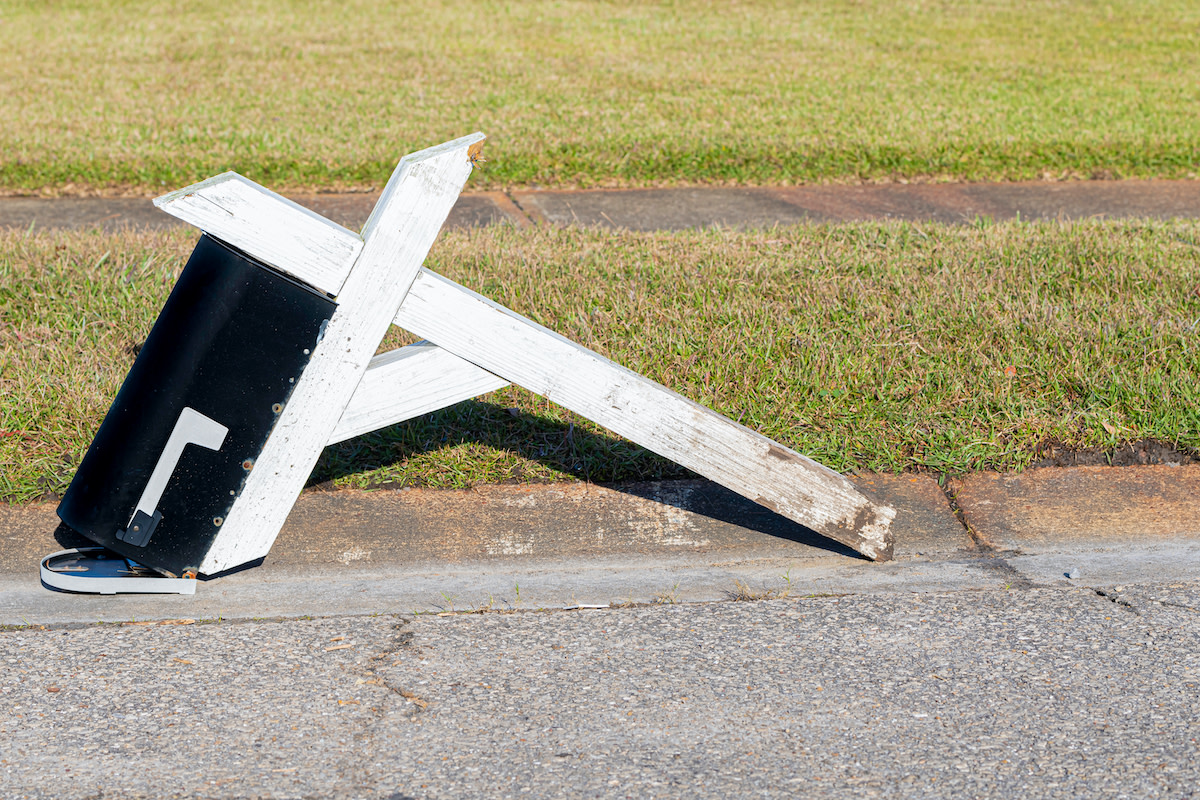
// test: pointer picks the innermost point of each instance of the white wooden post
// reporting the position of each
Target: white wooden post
(394, 242)
(473, 346)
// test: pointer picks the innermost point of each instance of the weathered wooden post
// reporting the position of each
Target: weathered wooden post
(341, 291)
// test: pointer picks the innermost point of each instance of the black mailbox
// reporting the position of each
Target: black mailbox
(196, 409)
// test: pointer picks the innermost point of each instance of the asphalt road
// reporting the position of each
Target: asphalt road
(1065, 691)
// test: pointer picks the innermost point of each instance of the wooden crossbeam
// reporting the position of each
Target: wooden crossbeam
(475, 346)
(505, 343)
(412, 209)
(408, 382)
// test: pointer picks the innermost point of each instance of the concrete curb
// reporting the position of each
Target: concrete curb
(389, 551)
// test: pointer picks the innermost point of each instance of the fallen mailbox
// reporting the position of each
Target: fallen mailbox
(264, 354)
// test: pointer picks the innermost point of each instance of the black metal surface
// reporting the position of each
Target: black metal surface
(230, 343)
(141, 528)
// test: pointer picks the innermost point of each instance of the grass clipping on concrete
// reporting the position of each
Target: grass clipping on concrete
(867, 347)
(134, 96)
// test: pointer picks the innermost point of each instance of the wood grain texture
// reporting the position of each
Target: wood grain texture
(397, 237)
(269, 227)
(529, 355)
(408, 382)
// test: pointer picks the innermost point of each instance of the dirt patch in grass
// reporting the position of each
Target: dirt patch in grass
(1131, 454)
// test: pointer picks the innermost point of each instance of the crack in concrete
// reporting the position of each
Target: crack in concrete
(373, 677)
(410, 705)
(1114, 597)
(987, 555)
(356, 782)
(1177, 605)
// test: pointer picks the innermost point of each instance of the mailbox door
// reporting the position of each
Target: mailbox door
(192, 416)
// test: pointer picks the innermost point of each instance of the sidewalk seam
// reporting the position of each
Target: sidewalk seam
(531, 218)
(511, 209)
(990, 557)
(534, 215)
(952, 501)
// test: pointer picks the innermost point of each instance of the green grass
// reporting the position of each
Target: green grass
(135, 97)
(868, 347)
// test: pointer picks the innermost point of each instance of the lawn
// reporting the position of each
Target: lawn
(865, 346)
(136, 97)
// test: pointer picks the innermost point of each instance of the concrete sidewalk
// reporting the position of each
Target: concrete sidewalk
(673, 209)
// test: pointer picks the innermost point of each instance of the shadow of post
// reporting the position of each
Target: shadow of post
(565, 449)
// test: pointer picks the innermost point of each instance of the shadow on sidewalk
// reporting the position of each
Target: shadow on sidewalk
(562, 447)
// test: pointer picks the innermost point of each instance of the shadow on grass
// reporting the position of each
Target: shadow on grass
(539, 449)
(494, 445)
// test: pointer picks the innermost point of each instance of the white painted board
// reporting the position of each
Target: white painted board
(503, 342)
(408, 382)
(269, 227)
(396, 239)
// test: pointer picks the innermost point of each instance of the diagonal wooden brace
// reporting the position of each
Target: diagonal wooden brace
(507, 344)
(369, 275)
(475, 346)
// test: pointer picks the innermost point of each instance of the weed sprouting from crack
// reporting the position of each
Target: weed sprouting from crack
(668, 598)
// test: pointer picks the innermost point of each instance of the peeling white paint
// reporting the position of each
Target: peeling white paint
(512, 544)
(357, 554)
